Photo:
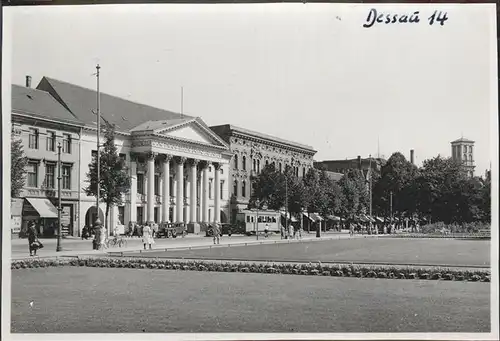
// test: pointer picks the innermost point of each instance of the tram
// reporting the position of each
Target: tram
(257, 221)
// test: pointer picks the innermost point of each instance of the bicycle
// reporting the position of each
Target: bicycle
(120, 242)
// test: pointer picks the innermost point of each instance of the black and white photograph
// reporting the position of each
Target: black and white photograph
(250, 171)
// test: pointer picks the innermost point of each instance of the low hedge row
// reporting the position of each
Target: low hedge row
(448, 236)
(337, 270)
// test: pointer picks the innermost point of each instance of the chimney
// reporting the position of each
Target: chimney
(359, 162)
(412, 158)
(28, 81)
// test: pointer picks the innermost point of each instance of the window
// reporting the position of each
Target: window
(66, 177)
(303, 172)
(156, 214)
(248, 218)
(94, 154)
(470, 157)
(51, 141)
(267, 163)
(140, 183)
(140, 215)
(66, 147)
(465, 157)
(121, 215)
(244, 162)
(210, 169)
(235, 188)
(210, 189)
(157, 184)
(171, 186)
(50, 175)
(254, 165)
(33, 139)
(32, 174)
(243, 189)
(235, 161)
(221, 189)
(280, 166)
(258, 166)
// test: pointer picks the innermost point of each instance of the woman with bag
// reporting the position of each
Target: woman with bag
(147, 236)
(32, 238)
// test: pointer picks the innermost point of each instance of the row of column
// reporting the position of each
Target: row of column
(191, 189)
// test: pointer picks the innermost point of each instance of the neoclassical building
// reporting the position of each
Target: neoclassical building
(252, 152)
(178, 166)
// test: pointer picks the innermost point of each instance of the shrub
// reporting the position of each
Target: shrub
(382, 275)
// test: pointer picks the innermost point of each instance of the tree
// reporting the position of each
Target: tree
(397, 177)
(18, 165)
(114, 180)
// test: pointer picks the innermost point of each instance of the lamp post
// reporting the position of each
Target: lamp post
(98, 222)
(370, 191)
(59, 209)
(286, 204)
(257, 203)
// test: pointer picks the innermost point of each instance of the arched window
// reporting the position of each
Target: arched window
(465, 157)
(470, 157)
(254, 165)
(235, 161)
(235, 188)
(244, 162)
(258, 166)
(267, 164)
(280, 166)
(243, 189)
(303, 172)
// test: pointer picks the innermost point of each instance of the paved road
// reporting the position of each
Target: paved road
(73, 246)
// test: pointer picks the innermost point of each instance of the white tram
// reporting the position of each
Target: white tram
(254, 220)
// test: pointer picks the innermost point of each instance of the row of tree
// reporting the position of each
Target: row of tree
(440, 190)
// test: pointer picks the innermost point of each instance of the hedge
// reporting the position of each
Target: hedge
(335, 270)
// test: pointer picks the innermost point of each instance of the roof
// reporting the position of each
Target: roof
(124, 114)
(233, 128)
(462, 140)
(334, 175)
(38, 103)
(161, 124)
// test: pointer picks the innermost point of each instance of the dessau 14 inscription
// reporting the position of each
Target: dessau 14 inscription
(375, 17)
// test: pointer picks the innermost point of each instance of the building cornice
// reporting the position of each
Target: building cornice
(38, 117)
(274, 143)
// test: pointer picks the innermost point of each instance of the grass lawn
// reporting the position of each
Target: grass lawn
(384, 250)
(97, 300)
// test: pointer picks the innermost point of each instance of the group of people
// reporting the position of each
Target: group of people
(291, 232)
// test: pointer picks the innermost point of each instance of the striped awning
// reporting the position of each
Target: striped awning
(333, 218)
(44, 207)
(308, 216)
(316, 217)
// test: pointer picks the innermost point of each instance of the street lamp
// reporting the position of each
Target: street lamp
(257, 204)
(59, 209)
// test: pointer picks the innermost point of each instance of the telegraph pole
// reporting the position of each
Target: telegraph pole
(59, 208)
(391, 206)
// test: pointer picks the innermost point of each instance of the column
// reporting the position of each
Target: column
(217, 167)
(187, 195)
(205, 192)
(193, 180)
(165, 200)
(133, 188)
(179, 174)
(174, 192)
(151, 188)
(200, 195)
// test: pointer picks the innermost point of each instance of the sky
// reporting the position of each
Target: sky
(309, 73)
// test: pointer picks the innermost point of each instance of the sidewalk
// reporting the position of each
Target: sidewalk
(193, 241)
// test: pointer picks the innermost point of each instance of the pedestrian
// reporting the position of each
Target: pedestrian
(147, 236)
(351, 229)
(266, 231)
(32, 238)
(216, 233)
(290, 231)
(229, 232)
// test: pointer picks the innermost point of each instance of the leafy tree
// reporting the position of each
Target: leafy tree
(18, 166)
(397, 177)
(114, 180)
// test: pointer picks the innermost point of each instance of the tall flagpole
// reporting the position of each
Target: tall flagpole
(98, 221)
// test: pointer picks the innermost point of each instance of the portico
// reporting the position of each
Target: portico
(181, 176)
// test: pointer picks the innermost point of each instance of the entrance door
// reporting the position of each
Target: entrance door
(140, 215)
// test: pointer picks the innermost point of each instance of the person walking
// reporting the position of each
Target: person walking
(147, 236)
(216, 232)
(266, 231)
(32, 238)
(229, 232)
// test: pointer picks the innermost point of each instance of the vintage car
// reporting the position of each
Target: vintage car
(173, 230)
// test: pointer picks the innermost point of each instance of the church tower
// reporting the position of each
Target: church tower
(462, 150)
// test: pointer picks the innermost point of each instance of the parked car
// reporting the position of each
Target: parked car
(173, 230)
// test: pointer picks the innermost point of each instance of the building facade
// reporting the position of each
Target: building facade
(41, 123)
(462, 151)
(252, 152)
(177, 165)
(343, 166)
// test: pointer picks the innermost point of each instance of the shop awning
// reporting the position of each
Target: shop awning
(333, 218)
(380, 220)
(316, 217)
(44, 207)
(308, 216)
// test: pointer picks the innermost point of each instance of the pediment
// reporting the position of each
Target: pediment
(192, 131)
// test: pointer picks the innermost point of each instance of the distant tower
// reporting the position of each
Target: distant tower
(462, 150)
